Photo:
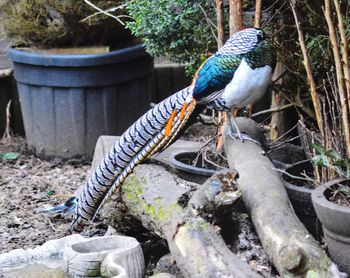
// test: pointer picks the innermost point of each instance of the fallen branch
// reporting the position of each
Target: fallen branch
(7, 133)
(153, 197)
(290, 247)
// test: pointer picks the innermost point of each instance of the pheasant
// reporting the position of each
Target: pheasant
(237, 75)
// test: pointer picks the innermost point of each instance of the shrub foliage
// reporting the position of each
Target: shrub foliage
(48, 23)
(179, 29)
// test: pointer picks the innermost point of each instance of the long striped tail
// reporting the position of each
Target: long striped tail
(151, 133)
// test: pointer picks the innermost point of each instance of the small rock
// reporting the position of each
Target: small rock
(26, 226)
(111, 231)
(15, 222)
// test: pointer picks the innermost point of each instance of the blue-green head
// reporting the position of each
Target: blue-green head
(253, 45)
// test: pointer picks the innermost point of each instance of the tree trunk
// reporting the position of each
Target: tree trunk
(236, 16)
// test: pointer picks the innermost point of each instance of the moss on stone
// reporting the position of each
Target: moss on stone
(132, 190)
(158, 200)
(150, 210)
(321, 269)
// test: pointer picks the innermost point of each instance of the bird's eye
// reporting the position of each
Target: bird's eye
(260, 35)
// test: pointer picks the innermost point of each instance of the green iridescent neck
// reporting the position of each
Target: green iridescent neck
(262, 55)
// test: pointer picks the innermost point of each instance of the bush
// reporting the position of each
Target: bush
(45, 24)
(178, 29)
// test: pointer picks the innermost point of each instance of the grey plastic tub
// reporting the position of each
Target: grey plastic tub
(68, 101)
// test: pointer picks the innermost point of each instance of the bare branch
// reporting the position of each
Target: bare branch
(308, 69)
(344, 51)
(273, 110)
(210, 23)
(104, 12)
(257, 17)
(339, 72)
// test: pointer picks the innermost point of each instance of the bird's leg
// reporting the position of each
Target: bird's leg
(249, 111)
(234, 129)
(235, 112)
(235, 132)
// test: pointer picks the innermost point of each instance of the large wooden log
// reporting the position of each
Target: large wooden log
(153, 195)
(290, 247)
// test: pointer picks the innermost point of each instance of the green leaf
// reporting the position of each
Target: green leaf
(344, 189)
(51, 192)
(333, 154)
(9, 156)
(318, 148)
(320, 160)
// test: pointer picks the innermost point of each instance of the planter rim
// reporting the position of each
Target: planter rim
(319, 197)
(299, 162)
(174, 162)
(297, 188)
(75, 60)
(189, 168)
(293, 186)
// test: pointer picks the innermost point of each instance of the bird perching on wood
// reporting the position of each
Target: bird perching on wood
(236, 76)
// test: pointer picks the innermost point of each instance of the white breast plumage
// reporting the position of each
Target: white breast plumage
(247, 86)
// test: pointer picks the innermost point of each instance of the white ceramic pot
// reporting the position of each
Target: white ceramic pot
(111, 256)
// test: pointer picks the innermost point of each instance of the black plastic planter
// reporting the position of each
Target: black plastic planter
(199, 173)
(335, 220)
(68, 101)
(300, 197)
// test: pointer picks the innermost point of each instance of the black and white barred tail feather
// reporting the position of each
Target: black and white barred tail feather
(145, 137)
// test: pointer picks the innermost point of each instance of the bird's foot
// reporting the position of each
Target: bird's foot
(248, 111)
(242, 137)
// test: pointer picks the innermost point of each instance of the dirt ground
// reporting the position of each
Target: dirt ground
(27, 185)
